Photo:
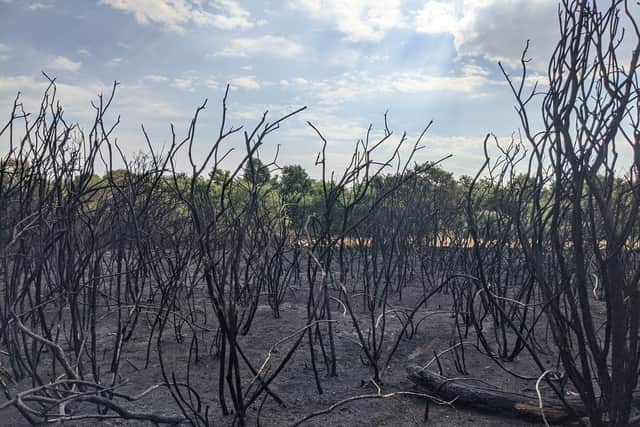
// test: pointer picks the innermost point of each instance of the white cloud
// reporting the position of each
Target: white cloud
(264, 45)
(416, 82)
(62, 63)
(74, 98)
(338, 131)
(155, 78)
(474, 70)
(211, 84)
(496, 30)
(535, 20)
(39, 6)
(437, 17)
(84, 52)
(245, 82)
(360, 20)
(184, 84)
(133, 102)
(177, 15)
(245, 113)
(351, 58)
(472, 83)
(14, 84)
(188, 80)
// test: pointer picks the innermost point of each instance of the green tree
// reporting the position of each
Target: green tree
(256, 172)
(219, 176)
(295, 183)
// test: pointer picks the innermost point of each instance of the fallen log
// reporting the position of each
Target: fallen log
(494, 400)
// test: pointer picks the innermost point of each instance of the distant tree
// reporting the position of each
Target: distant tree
(219, 176)
(120, 176)
(256, 172)
(295, 183)
(295, 188)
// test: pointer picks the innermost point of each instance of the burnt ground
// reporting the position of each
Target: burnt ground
(295, 384)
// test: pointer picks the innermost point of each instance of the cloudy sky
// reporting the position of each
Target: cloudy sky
(349, 61)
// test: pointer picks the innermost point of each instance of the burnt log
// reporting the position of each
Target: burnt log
(494, 400)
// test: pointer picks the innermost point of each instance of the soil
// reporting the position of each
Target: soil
(295, 384)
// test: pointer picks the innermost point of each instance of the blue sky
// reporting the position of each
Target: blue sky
(349, 61)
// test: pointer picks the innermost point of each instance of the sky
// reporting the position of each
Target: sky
(348, 61)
